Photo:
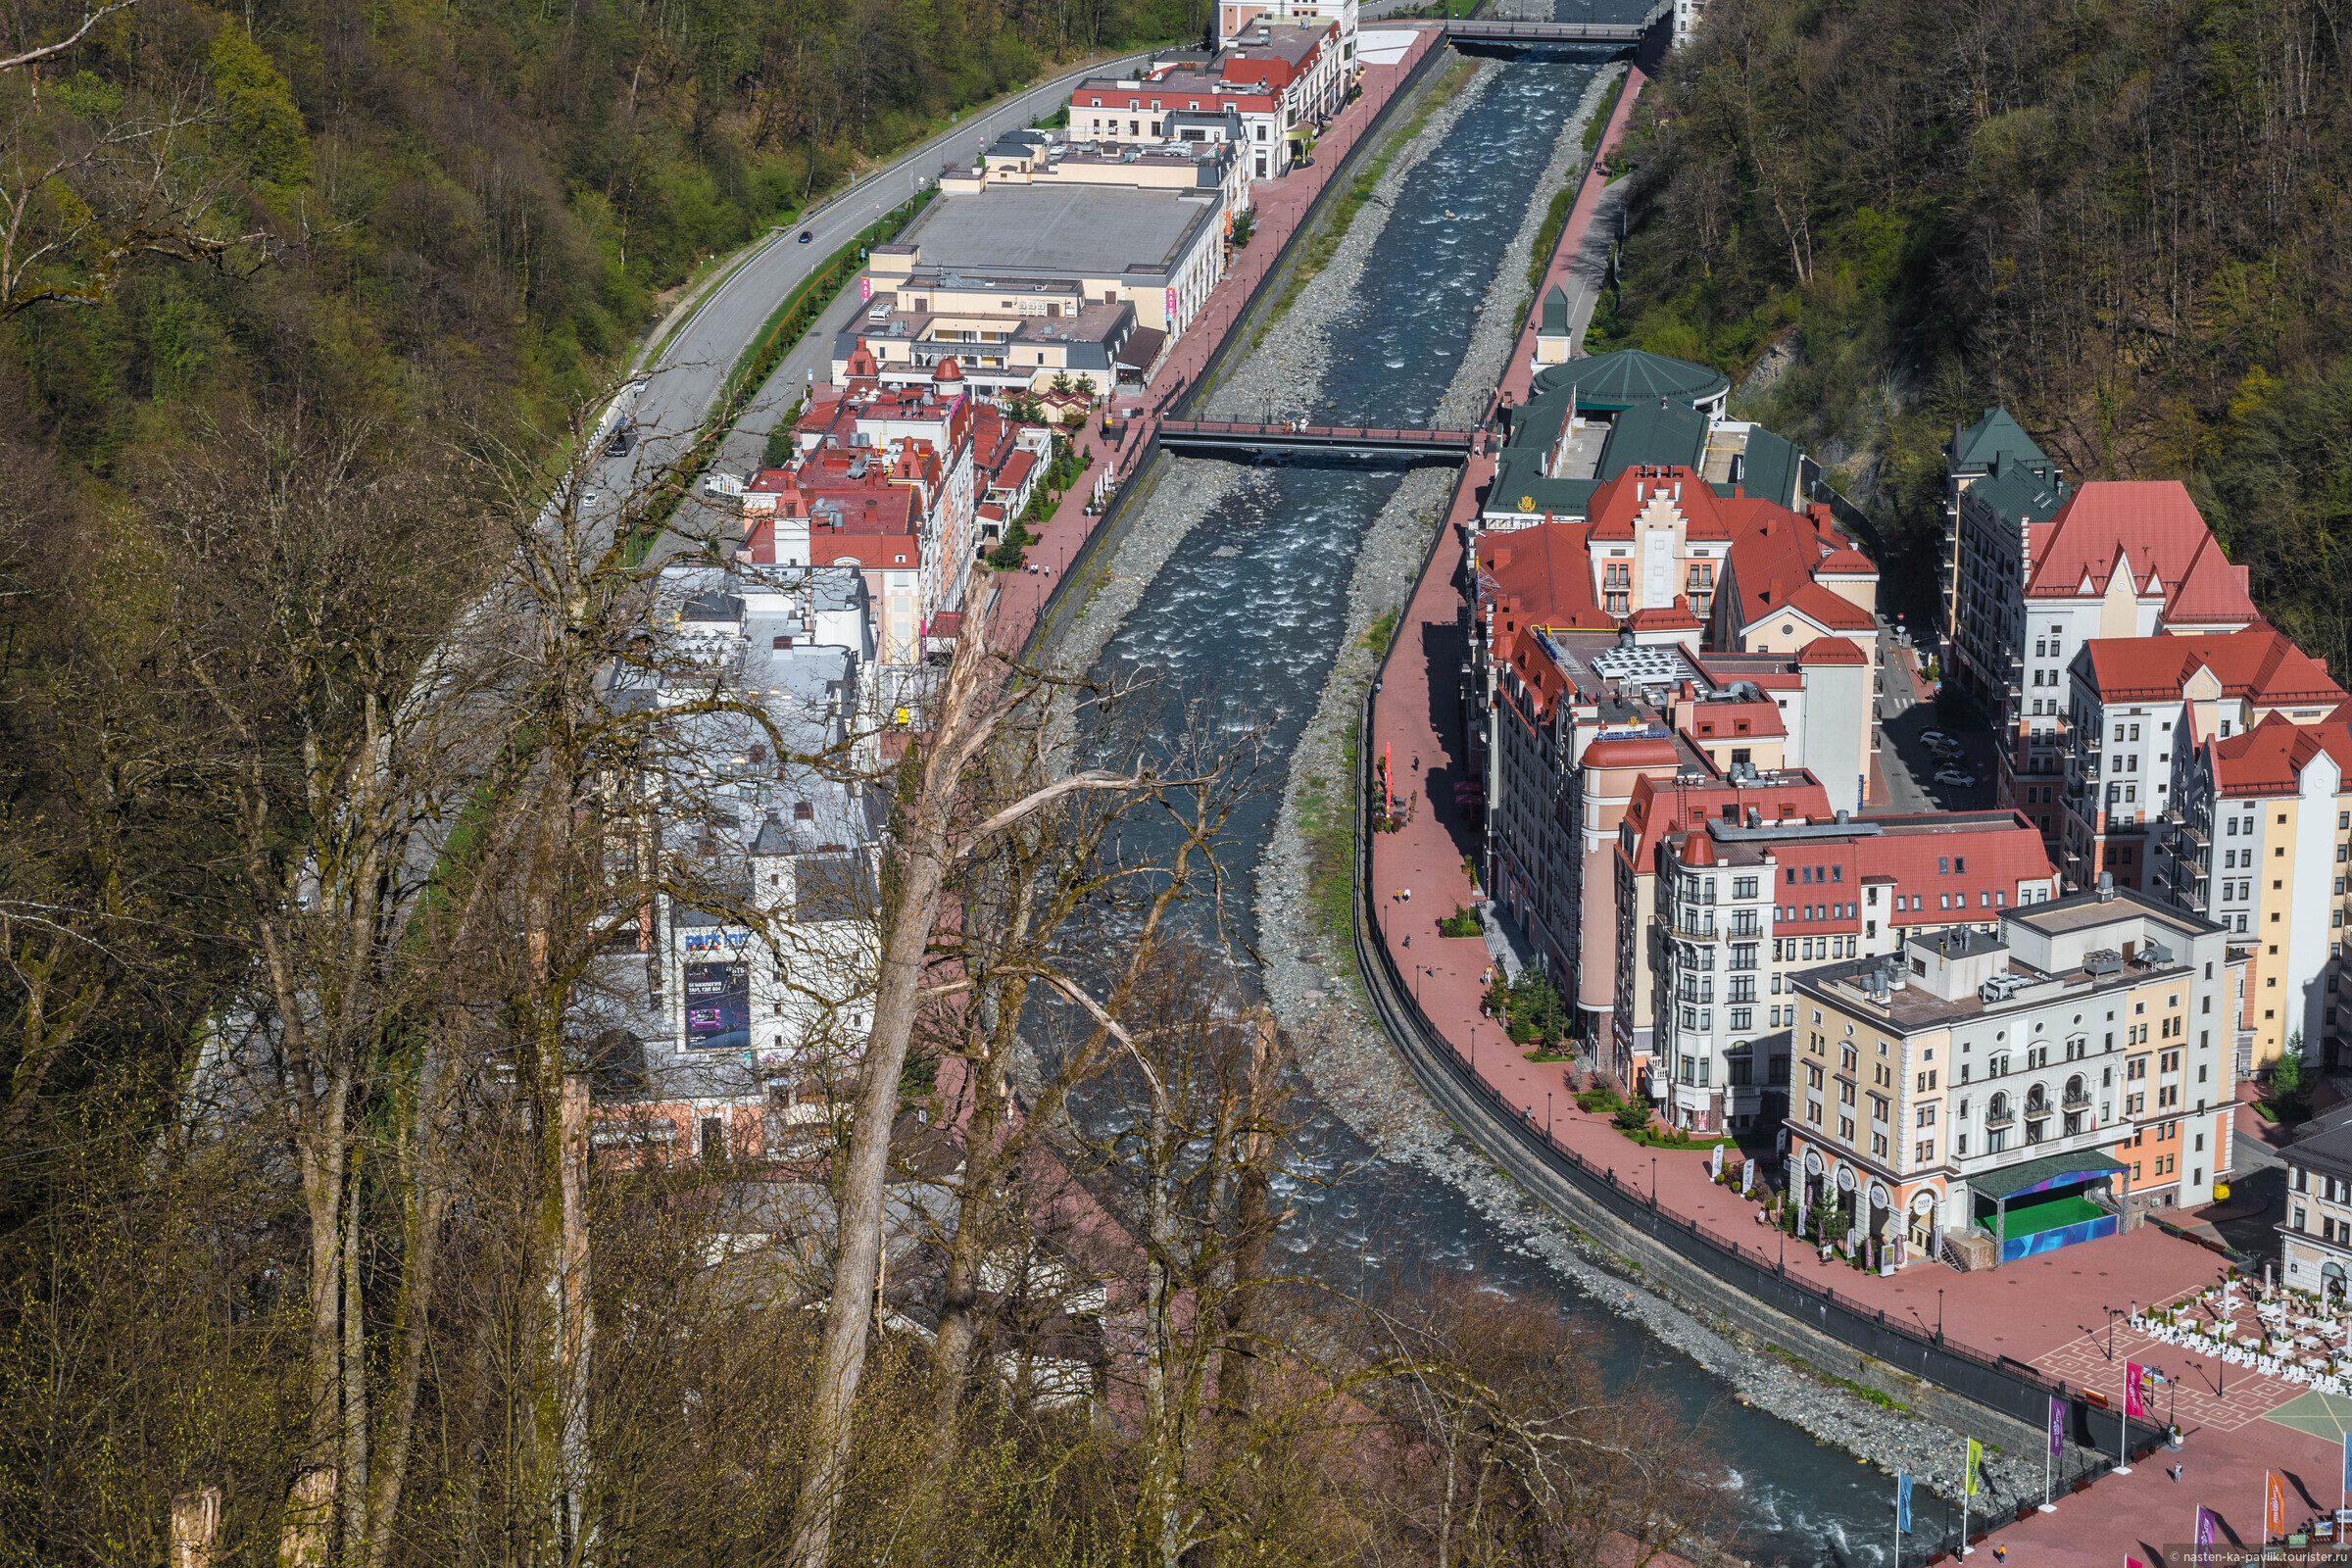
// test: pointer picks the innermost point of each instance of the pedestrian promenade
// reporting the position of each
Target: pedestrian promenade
(2052, 1314)
(1281, 206)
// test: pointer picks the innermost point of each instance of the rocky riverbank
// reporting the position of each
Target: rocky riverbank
(1315, 993)
(1284, 375)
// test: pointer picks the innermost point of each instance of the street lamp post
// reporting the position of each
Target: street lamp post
(1938, 1314)
(1547, 1115)
(1653, 1184)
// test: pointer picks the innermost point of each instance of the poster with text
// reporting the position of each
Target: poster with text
(719, 1007)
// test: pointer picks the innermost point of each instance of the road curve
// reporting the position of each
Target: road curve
(670, 401)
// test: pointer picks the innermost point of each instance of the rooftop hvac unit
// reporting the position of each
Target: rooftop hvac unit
(2103, 962)
(2155, 954)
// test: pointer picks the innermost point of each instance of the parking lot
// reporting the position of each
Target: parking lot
(1910, 764)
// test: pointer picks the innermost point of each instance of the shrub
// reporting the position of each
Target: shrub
(1631, 1118)
(1460, 923)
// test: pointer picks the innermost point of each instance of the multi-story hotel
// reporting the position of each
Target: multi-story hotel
(2021, 1090)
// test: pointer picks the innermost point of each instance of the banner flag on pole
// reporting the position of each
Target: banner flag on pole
(1968, 1478)
(2348, 1462)
(2273, 1505)
(2057, 1425)
(1902, 1501)
(2207, 1533)
(2136, 1400)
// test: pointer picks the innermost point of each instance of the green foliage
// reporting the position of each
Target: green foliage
(1898, 200)
(1536, 1011)
(1460, 923)
(1382, 630)
(1244, 227)
(1630, 1117)
(263, 123)
(2290, 1080)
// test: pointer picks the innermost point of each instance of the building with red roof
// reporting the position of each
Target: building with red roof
(2255, 836)
(2042, 570)
(2133, 704)
(1723, 896)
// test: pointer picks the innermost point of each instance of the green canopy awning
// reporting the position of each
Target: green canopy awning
(2041, 1175)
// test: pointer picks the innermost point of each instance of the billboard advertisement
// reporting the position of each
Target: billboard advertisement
(719, 1007)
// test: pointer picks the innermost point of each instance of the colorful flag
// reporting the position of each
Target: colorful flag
(1968, 1477)
(1902, 1502)
(2135, 1403)
(2348, 1462)
(2207, 1531)
(1717, 1172)
(2273, 1505)
(2057, 1426)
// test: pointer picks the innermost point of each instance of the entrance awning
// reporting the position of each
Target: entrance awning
(2042, 1175)
(1141, 349)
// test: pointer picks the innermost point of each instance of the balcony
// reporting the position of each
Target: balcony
(2007, 1118)
(2088, 740)
(1692, 927)
(2076, 1099)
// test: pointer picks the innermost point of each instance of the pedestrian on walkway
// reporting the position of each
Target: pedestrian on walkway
(1408, 895)
(1408, 939)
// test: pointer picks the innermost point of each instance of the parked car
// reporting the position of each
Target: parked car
(1937, 738)
(588, 496)
(1956, 779)
(624, 437)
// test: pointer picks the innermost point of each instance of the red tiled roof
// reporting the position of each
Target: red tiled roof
(875, 552)
(2211, 591)
(1825, 608)
(1525, 655)
(1846, 562)
(2151, 523)
(1985, 860)
(1541, 577)
(1016, 469)
(1677, 618)
(1618, 501)
(1647, 750)
(1651, 809)
(2259, 664)
(1736, 721)
(2270, 759)
(1831, 651)
(1774, 555)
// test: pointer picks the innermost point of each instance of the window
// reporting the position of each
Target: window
(1926, 1114)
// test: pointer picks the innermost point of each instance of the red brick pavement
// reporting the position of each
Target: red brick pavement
(1281, 204)
(2047, 1311)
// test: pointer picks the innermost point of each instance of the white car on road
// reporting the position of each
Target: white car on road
(1956, 779)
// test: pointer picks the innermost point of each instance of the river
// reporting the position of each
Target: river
(1251, 605)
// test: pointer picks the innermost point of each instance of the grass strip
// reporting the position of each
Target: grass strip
(1599, 122)
(1315, 255)
(795, 315)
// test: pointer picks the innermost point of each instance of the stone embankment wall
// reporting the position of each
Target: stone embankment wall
(1284, 373)
(1353, 1069)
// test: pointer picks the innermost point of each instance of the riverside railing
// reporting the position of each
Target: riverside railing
(2001, 1383)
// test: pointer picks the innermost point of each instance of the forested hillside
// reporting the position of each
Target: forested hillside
(2126, 222)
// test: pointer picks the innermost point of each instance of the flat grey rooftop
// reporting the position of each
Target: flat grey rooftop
(1092, 230)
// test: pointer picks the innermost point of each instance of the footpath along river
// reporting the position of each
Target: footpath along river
(1237, 581)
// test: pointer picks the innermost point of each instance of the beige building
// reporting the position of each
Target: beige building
(2023, 1091)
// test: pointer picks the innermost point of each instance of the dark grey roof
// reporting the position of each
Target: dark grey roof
(1555, 312)
(1996, 434)
(2087, 1164)
(2016, 494)
(2330, 1150)
(1630, 378)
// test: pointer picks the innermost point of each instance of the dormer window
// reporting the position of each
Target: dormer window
(804, 811)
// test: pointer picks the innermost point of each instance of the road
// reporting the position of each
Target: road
(672, 399)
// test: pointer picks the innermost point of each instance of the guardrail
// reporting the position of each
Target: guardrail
(1114, 522)
(2001, 1384)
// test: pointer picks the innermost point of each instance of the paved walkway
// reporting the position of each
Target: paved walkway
(1281, 205)
(2049, 1312)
